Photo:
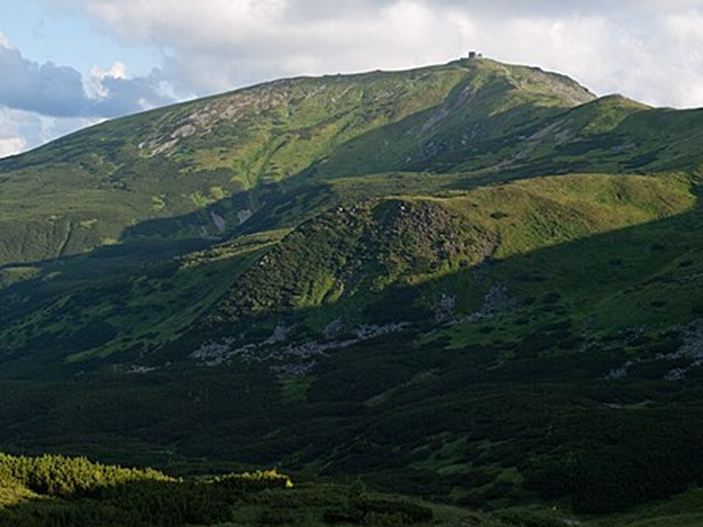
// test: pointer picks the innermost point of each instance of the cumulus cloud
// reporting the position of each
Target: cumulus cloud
(227, 43)
(97, 75)
(60, 91)
(46, 88)
(16, 128)
(11, 145)
(21, 130)
(39, 102)
(631, 46)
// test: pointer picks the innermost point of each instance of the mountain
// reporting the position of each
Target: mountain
(476, 282)
(88, 189)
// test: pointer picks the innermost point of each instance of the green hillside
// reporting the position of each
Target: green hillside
(93, 188)
(476, 283)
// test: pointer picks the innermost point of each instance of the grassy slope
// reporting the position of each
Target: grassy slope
(397, 240)
(101, 185)
(342, 260)
(88, 188)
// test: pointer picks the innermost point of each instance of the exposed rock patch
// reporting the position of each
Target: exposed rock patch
(496, 302)
(691, 350)
(296, 359)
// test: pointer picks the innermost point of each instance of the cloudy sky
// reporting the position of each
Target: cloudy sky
(65, 64)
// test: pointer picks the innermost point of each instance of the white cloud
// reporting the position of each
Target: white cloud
(686, 26)
(21, 130)
(11, 146)
(227, 43)
(14, 127)
(94, 83)
(117, 71)
(631, 46)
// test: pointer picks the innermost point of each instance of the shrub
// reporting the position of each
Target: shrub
(255, 481)
(411, 512)
(275, 517)
(527, 519)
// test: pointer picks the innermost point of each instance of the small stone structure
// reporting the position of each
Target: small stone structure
(473, 55)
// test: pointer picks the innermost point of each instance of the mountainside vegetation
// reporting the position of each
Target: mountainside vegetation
(476, 283)
(88, 189)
